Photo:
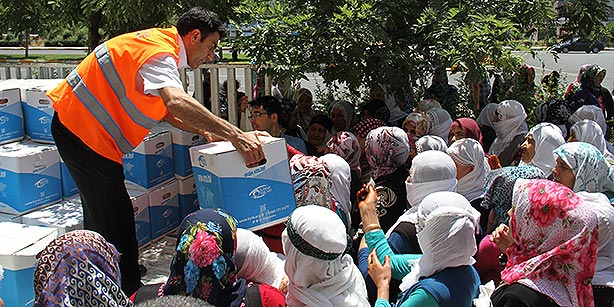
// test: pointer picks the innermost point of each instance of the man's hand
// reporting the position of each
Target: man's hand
(250, 146)
(381, 274)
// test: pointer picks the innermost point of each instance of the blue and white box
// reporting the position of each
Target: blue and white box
(66, 216)
(140, 203)
(69, 188)
(182, 141)
(150, 163)
(11, 115)
(29, 177)
(19, 245)
(257, 197)
(188, 201)
(164, 209)
(38, 111)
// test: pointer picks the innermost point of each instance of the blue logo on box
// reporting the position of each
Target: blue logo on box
(260, 191)
(41, 183)
(201, 161)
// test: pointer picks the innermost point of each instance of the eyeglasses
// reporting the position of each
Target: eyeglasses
(256, 114)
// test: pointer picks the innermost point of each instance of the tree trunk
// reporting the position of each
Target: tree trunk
(94, 27)
(26, 42)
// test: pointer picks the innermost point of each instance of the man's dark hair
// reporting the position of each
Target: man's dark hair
(205, 21)
(175, 301)
(269, 103)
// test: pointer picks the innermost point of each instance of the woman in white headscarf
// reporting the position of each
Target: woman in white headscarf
(539, 142)
(510, 127)
(438, 122)
(320, 274)
(487, 128)
(343, 116)
(582, 168)
(431, 142)
(444, 275)
(256, 263)
(340, 178)
(471, 169)
(589, 131)
(591, 112)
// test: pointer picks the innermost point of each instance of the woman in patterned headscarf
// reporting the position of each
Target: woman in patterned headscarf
(581, 167)
(387, 150)
(551, 246)
(79, 268)
(591, 92)
(361, 130)
(203, 266)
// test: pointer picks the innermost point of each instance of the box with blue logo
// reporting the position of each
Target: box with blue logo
(69, 188)
(257, 197)
(164, 209)
(66, 216)
(182, 141)
(140, 204)
(11, 115)
(188, 201)
(150, 163)
(29, 177)
(19, 245)
(38, 110)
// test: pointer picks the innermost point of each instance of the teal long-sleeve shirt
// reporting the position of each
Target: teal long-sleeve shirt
(400, 267)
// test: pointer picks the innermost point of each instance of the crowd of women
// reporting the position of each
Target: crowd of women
(416, 209)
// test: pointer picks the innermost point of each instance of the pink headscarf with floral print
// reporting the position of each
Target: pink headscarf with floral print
(555, 246)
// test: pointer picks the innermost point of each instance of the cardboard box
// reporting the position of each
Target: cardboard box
(164, 209)
(66, 216)
(69, 188)
(19, 245)
(140, 203)
(257, 197)
(150, 163)
(182, 141)
(38, 110)
(188, 201)
(29, 177)
(11, 115)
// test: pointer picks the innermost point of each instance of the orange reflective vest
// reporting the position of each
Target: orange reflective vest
(99, 102)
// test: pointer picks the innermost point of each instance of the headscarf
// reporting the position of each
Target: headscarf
(348, 112)
(340, 178)
(500, 188)
(79, 268)
(366, 125)
(555, 246)
(319, 272)
(414, 118)
(573, 87)
(469, 126)
(302, 92)
(323, 120)
(604, 268)
(310, 181)
(203, 265)
(439, 122)
(469, 152)
(386, 149)
(593, 173)
(591, 112)
(511, 124)
(430, 172)
(427, 104)
(589, 76)
(255, 262)
(447, 226)
(486, 115)
(589, 131)
(346, 145)
(431, 142)
(547, 137)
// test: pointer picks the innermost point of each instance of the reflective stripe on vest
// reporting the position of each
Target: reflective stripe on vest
(98, 111)
(110, 73)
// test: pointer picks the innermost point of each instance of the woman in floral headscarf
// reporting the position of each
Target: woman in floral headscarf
(79, 268)
(203, 265)
(551, 246)
(361, 130)
(387, 150)
(582, 168)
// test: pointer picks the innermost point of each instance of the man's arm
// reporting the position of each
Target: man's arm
(171, 119)
(191, 113)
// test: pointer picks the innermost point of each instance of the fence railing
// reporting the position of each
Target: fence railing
(193, 79)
